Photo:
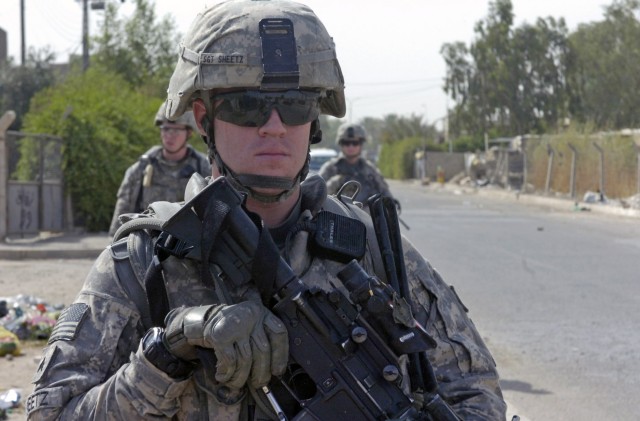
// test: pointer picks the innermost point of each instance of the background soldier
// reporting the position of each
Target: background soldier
(257, 74)
(351, 165)
(163, 171)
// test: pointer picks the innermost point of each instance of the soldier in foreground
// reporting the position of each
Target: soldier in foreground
(351, 165)
(198, 317)
(163, 171)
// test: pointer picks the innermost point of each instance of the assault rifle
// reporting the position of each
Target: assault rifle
(345, 350)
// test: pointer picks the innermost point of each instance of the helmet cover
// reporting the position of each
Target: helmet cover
(348, 131)
(223, 48)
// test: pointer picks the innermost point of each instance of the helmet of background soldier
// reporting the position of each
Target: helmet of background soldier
(348, 131)
(184, 119)
(223, 49)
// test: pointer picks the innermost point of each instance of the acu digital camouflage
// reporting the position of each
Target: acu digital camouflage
(99, 371)
(338, 171)
(153, 179)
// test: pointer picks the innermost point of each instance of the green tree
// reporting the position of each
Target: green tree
(140, 48)
(19, 83)
(604, 68)
(509, 80)
(105, 126)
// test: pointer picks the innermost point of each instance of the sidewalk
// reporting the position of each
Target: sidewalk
(55, 246)
(611, 208)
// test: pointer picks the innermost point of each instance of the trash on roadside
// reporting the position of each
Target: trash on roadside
(9, 343)
(578, 208)
(9, 399)
(29, 317)
(594, 197)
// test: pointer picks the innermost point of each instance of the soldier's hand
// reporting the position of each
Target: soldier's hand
(249, 342)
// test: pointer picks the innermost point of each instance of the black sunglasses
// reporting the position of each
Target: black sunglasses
(172, 130)
(253, 108)
(350, 143)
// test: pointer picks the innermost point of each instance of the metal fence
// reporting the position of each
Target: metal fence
(34, 187)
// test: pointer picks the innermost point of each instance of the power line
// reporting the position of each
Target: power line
(398, 82)
(62, 25)
(366, 98)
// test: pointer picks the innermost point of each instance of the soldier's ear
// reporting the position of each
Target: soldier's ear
(200, 115)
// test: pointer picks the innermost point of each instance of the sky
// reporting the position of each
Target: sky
(389, 51)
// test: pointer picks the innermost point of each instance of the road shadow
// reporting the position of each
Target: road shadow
(524, 387)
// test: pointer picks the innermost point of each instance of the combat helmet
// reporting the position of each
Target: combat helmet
(186, 118)
(348, 131)
(276, 45)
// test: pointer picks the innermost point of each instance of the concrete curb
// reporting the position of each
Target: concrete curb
(531, 199)
(35, 254)
(55, 246)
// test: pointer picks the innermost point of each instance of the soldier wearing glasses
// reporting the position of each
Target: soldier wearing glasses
(163, 171)
(257, 75)
(351, 165)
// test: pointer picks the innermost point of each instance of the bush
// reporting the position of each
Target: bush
(397, 158)
(105, 126)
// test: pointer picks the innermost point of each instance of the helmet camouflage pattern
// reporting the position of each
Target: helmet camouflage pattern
(348, 131)
(186, 119)
(223, 48)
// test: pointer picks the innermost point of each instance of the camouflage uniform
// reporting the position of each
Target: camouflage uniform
(338, 171)
(94, 368)
(153, 178)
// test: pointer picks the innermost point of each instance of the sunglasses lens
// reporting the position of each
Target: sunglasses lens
(350, 143)
(253, 108)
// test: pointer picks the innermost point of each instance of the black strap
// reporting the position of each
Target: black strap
(129, 281)
(265, 262)
(214, 214)
(143, 162)
(156, 292)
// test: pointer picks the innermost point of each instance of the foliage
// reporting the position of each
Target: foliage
(509, 79)
(19, 83)
(605, 63)
(139, 48)
(397, 158)
(105, 126)
(467, 144)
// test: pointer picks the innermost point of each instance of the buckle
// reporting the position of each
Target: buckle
(166, 245)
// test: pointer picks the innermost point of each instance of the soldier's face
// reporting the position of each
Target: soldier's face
(273, 149)
(174, 136)
(351, 149)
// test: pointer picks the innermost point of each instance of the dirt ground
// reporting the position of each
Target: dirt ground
(55, 281)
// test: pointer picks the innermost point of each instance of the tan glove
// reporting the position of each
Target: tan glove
(249, 342)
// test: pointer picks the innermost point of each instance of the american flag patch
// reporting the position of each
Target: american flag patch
(68, 323)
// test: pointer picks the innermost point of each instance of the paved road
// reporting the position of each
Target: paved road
(554, 292)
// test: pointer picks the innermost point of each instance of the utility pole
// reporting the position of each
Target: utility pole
(22, 40)
(85, 35)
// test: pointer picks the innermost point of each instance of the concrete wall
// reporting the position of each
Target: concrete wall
(451, 163)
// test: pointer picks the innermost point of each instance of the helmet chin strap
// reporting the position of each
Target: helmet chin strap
(247, 183)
